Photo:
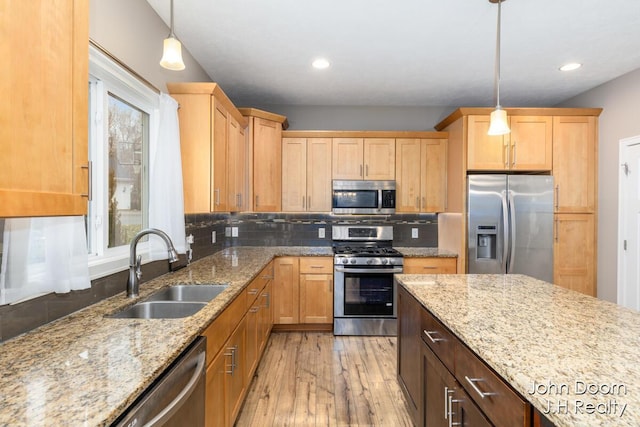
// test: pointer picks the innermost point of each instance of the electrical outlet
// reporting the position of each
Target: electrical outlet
(234, 231)
(190, 239)
(321, 233)
(227, 231)
(213, 237)
(414, 233)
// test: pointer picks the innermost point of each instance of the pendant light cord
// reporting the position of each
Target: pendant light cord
(171, 33)
(497, 65)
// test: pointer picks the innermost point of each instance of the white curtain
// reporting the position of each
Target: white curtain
(43, 255)
(166, 200)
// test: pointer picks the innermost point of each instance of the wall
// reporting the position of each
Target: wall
(133, 32)
(620, 99)
(306, 117)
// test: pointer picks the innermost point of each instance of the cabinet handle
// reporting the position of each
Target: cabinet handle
(254, 309)
(451, 413)
(303, 203)
(252, 291)
(239, 201)
(360, 170)
(422, 206)
(418, 203)
(513, 163)
(557, 196)
(366, 170)
(217, 193)
(308, 202)
(316, 266)
(231, 352)
(89, 169)
(505, 156)
(428, 334)
(267, 277)
(472, 382)
(555, 231)
(267, 295)
(256, 202)
(447, 392)
(429, 267)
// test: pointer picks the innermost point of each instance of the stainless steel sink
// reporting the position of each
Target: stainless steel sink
(159, 310)
(195, 293)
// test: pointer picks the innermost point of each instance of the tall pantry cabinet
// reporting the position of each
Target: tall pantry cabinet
(44, 169)
(561, 142)
(213, 147)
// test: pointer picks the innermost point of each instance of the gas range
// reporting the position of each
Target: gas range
(364, 245)
(366, 255)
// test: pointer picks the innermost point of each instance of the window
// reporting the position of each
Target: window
(121, 113)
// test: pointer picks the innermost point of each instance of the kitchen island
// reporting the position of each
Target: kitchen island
(575, 358)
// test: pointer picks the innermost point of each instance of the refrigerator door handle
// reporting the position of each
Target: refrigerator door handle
(505, 231)
(512, 232)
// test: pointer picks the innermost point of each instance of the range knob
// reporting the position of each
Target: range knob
(353, 260)
(370, 261)
(384, 261)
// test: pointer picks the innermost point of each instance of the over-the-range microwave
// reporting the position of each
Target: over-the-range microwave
(364, 197)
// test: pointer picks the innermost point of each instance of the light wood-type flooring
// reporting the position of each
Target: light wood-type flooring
(316, 379)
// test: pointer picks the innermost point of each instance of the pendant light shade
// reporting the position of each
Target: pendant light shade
(498, 124)
(172, 51)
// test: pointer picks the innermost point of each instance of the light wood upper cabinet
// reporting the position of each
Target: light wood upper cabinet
(574, 252)
(526, 148)
(421, 175)
(266, 141)
(212, 147)
(306, 174)
(530, 143)
(44, 116)
(363, 158)
(574, 163)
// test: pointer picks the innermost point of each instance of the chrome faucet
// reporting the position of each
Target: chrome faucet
(135, 271)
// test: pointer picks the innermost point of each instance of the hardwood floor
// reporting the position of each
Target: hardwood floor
(316, 379)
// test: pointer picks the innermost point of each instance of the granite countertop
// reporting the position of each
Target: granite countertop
(561, 350)
(86, 369)
(425, 252)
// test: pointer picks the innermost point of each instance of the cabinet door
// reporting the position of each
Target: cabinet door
(316, 298)
(574, 257)
(438, 385)
(433, 188)
(286, 291)
(380, 158)
(267, 165)
(574, 163)
(214, 396)
(237, 162)
(194, 115)
(266, 315)
(44, 114)
(252, 346)
(319, 174)
(219, 133)
(409, 344)
(485, 152)
(408, 175)
(294, 174)
(429, 265)
(530, 141)
(235, 351)
(347, 158)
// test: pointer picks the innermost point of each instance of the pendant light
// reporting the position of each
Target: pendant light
(172, 51)
(498, 124)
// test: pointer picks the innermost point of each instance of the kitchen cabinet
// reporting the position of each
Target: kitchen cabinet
(306, 174)
(258, 326)
(363, 158)
(574, 261)
(210, 140)
(446, 383)
(237, 167)
(303, 291)
(235, 382)
(574, 163)
(527, 148)
(265, 159)
(429, 265)
(44, 168)
(421, 175)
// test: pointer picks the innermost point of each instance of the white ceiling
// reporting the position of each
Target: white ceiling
(407, 52)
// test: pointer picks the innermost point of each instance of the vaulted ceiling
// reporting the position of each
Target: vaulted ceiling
(407, 52)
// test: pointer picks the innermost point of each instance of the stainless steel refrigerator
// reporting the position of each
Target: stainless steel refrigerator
(510, 225)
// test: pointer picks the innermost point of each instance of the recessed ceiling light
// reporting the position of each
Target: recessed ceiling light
(570, 67)
(320, 63)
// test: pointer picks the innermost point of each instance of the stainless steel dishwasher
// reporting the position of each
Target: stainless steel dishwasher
(176, 398)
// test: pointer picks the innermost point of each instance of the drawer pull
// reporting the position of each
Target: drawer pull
(428, 334)
(429, 267)
(252, 292)
(317, 266)
(472, 382)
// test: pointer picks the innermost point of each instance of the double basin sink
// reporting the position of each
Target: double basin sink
(172, 303)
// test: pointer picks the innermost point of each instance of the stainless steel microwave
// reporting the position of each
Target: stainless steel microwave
(364, 197)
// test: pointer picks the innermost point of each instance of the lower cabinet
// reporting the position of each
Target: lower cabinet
(303, 291)
(235, 342)
(430, 265)
(574, 252)
(444, 382)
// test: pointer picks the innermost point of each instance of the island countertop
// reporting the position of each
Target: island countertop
(86, 369)
(558, 348)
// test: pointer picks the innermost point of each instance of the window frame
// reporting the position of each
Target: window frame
(108, 77)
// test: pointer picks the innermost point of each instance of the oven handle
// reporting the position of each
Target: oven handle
(341, 269)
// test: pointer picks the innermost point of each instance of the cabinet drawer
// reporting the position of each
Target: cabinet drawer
(498, 401)
(222, 327)
(438, 338)
(430, 265)
(257, 285)
(316, 265)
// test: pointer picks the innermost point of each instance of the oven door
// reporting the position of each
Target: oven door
(365, 291)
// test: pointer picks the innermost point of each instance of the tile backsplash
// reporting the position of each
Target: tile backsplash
(253, 229)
